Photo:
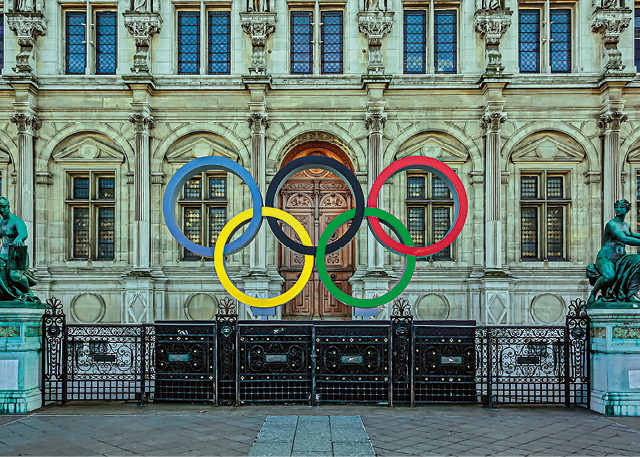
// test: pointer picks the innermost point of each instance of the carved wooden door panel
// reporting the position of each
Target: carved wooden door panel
(315, 203)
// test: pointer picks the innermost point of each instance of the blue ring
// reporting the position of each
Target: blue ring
(188, 171)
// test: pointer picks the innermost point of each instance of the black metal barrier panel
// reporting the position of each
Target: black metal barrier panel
(400, 361)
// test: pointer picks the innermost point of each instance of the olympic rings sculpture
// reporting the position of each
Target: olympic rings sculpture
(374, 215)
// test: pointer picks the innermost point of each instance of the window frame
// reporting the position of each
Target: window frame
(209, 13)
(65, 30)
(96, 11)
(331, 13)
(193, 12)
(425, 14)
(311, 62)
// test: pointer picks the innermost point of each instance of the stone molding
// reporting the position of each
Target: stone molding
(611, 22)
(258, 25)
(492, 25)
(142, 123)
(611, 120)
(374, 122)
(492, 121)
(258, 122)
(374, 25)
(142, 26)
(25, 122)
(27, 26)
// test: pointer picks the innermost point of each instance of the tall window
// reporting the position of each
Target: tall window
(1, 41)
(544, 43)
(429, 204)
(560, 45)
(529, 37)
(219, 42)
(75, 43)
(544, 208)
(101, 57)
(92, 208)
(415, 41)
(446, 41)
(204, 210)
(636, 32)
(301, 42)
(106, 42)
(331, 42)
(188, 42)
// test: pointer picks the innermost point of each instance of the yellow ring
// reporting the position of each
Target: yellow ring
(218, 259)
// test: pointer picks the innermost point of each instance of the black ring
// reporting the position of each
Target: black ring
(324, 163)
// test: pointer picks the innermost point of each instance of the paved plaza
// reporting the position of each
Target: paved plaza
(117, 428)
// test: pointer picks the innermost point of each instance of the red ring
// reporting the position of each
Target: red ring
(460, 195)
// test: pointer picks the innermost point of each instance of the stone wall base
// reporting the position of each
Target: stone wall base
(616, 403)
(20, 402)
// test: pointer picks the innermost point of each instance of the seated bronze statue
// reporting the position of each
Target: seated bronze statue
(15, 278)
(616, 274)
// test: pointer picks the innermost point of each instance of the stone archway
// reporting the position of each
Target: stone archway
(315, 197)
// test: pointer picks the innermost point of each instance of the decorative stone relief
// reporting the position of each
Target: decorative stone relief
(612, 120)
(492, 121)
(374, 122)
(375, 24)
(141, 122)
(492, 25)
(142, 25)
(27, 26)
(258, 122)
(26, 123)
(609, 19)
(258, 25)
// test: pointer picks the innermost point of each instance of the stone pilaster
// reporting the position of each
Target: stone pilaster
(375, 25)
(142, 124)
(609, 122)
(491, 121)
(23, 206)
(258, 25)
(492, 25)
(142, 26)
(609, 20)
(374, 121)
(27, 26)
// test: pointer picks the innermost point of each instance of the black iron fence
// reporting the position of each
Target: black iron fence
(401, 361)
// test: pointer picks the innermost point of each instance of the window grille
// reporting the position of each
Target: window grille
(106, 231)
(332, 42)
(217, 188)
(417, 226)
(555, 226)
(529, 41)
(446, 41)
(193, 189)
(81, 188)
(76, 49)
(81, 246)
(192, 229)
(560, 46)
(439, 188)
(106, 188)
(415, 42)
(301, 42)
(416, 187)
(529, 187)
(217, 221)
(441, 225)
(188, 42)
(106, 43)
(219, 42)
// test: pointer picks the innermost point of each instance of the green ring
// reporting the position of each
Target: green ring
(409, 264)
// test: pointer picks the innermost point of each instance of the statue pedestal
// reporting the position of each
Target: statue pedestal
(20, 356)
(615, 360)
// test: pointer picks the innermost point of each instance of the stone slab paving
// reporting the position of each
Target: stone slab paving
(116, 428)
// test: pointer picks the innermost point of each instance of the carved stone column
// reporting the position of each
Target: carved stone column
(492, 25)
(25, 187)
(27, 26)
(611, 170)
(142, 124)
(491, 121)
(610, 20)
(374, 121)
(142, 26)
(375, 25)
(258, 26)
(258, 123)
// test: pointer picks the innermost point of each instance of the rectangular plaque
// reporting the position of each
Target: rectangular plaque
(178, 357)
(34, 332)
(351, 359)
(451, 360)
(531, 360)
(10, 332)
(9, 377)
(634, 379)
(104, 357)
(275, 358)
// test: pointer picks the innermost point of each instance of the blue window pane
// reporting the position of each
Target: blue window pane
(106, 43)
(560, 46)
(76, 50)
(446, 41)
(529, 41)
(219, 42)
(188, 42)
(415, 42)
(636, 35)
(332, 34)
(301, 37)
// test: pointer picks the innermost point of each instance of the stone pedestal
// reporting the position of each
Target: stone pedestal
(20, 356)
(615, 361)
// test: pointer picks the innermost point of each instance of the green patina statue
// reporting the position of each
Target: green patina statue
(15, 278)
(616, 274)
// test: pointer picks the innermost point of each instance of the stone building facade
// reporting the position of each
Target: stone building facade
(533, 103)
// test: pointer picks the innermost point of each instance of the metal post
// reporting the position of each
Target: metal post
(64, 364)
(587, 361)
(237, 402)
(215, 362)
(412, 363)
(567, 371)
(143, 359)
(43, 365)
(312, 400)
(390, 403)
(489, 370)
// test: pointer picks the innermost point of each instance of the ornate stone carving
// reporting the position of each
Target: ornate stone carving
(612, 120)
(492, 25)
(25, 122)
(258, 122)
(258, 25)
(375, 25)
(142, 26)
(141, 122)
(610, 20)
(492, 121)
(27, 27)
(374, 122)
(377, 5)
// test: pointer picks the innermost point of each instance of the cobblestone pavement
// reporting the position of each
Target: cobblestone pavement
(116, 428)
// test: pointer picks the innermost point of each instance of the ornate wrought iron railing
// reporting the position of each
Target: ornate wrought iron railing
(398, 361)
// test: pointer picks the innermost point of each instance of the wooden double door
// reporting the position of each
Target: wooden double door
(315, 201)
